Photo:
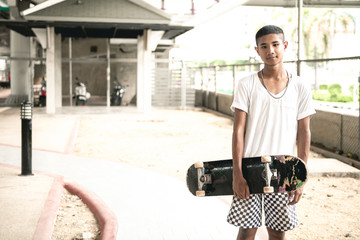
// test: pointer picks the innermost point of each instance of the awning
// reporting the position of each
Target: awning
(94, 30)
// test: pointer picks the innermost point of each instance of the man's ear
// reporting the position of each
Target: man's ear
(286, 43)
(257, 50)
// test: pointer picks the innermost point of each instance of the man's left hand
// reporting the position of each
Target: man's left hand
(297, 195)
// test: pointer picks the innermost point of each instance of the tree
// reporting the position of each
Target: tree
(320, 27)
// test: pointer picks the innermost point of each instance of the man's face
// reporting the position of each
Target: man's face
(271, 48)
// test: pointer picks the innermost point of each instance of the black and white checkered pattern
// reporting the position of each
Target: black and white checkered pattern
(278, 214)
(247, 213)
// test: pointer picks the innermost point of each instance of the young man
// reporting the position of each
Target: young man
(272, 111)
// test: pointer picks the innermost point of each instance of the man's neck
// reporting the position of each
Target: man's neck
(275, 80)
(275, 73)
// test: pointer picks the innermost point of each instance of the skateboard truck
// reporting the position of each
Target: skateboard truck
(268, 174)
(202, 178)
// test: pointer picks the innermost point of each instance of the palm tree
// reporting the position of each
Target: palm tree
(320, 27)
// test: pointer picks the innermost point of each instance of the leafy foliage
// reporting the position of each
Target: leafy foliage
(332, 93)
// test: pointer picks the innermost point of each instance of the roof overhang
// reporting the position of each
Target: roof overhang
(94, 30)
(94, 19)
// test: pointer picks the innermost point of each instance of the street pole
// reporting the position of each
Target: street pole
(359, 114)
(300, 12)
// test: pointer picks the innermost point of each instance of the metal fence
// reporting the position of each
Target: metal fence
(172, 86)
(335, 85)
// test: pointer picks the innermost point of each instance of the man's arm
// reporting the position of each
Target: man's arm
(240, 186)
(303, 138)
(303, 148)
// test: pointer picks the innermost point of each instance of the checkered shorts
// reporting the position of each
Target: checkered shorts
(247, 213)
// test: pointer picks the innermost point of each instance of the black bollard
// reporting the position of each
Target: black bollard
(26, 138)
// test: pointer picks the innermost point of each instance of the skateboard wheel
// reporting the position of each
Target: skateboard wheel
(199, 165)
(268, 189)
(200, 193)
(265, 159)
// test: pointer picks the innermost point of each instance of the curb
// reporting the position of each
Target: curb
(45, 226)
(46, 223)
(106, 218)
(328, 154)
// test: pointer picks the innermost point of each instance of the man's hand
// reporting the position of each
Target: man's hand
(241, 188)
(297, 195)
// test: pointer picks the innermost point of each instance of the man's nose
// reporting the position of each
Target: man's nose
(271, 49)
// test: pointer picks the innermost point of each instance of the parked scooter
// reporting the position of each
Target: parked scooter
(42, 94)
(117, 94)
(81, 96)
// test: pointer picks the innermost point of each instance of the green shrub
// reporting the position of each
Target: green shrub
(335, 89)
(333, 94)
(323, 87)
(344, 98)
(321, 95)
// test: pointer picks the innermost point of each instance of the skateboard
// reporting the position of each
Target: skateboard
(266, 174)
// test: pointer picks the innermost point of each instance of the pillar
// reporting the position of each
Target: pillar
(53, 71)
(19, 69)
(143, 95)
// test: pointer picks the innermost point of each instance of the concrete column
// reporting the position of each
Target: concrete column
(70, 70)
(20, 72)
(19, 69)
(53, 71)
(58, 68)
(50, 71)
(108, 72)
(147, 43)
(143, 100)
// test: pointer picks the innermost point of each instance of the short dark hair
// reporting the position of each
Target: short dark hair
(269, 29)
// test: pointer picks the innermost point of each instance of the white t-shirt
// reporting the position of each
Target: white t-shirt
(271, 126)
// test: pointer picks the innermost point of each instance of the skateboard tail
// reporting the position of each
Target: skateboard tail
(210, 179)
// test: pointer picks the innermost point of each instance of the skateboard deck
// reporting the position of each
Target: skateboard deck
(266, 174)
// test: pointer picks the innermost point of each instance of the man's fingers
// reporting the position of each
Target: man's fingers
(297, 196)
(243, 195)
(247, 193)
(291, 194)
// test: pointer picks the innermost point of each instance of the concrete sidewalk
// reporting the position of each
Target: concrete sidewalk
(147, 204)
(22, 201)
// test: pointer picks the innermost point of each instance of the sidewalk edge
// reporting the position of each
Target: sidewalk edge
(46, 223)
(107, 219)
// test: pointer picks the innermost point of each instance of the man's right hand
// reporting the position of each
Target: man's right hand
(241, 188)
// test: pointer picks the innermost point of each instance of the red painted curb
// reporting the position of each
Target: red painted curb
(45, 226)
(105, 217)
(46, 223)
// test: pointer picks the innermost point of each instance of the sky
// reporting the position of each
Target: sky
(230, 36)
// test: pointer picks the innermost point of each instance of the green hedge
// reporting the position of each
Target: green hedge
(332, 93)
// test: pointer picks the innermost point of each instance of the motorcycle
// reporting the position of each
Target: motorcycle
(81, 96)
(117, 94)
(42, 95)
